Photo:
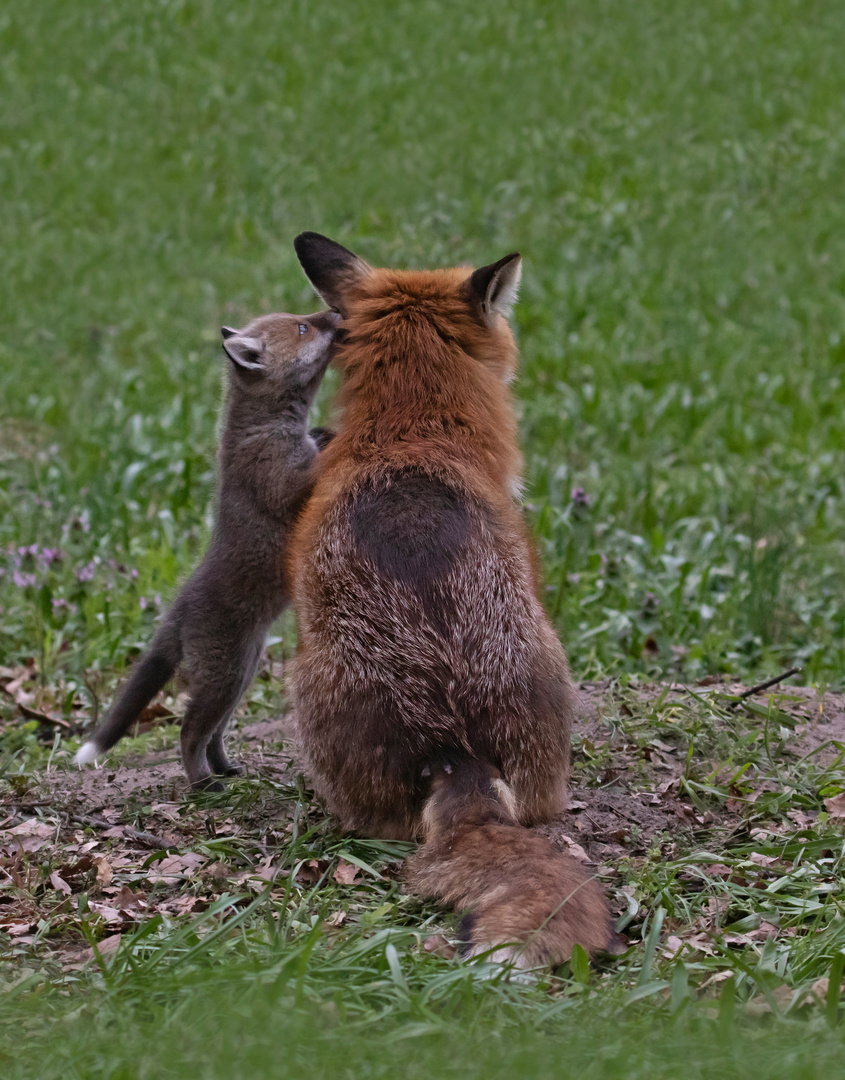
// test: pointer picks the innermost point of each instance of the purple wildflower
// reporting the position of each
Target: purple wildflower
(85, 573)
(142, 603)
(580, 497)
(51, 555)
(23, 581)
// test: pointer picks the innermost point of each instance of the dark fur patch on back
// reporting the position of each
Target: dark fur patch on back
(464, 934)
(411, 527)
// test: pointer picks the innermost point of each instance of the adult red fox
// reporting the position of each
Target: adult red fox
(432, 695)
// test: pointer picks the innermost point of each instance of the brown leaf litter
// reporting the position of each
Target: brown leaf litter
(125, 842)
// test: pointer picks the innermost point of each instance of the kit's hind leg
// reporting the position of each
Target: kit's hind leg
(218, 760)
(210, 706)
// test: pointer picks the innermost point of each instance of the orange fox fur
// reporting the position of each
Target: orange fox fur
(424, 649)
(529, 901)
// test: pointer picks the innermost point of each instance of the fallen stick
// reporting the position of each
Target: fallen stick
(45, 718)
(763, 686)
(140, 835)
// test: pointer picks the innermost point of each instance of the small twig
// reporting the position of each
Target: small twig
(763, 686)
(98, 823)
(136, 834)
(44, 718)
(15, 801)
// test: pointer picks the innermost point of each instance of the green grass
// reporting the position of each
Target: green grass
(672, 173)
(257, 1016)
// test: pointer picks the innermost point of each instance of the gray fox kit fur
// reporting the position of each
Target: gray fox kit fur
(214, 633)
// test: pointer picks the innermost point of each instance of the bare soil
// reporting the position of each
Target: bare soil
(125, 836)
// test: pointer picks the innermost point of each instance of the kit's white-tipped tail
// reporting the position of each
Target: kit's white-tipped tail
(87, 753)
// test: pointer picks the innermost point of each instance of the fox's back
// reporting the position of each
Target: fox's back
(407, 570)
(421, 634)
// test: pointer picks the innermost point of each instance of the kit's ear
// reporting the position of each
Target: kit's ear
(245, 352)
(227, 332)
(494, 288)
(330, 267)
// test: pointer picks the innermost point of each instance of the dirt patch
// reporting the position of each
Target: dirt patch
(655, 774)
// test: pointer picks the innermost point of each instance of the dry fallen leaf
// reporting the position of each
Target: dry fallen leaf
(15, 688)
(152, 716)
(105, 947)
(717, 977)
(762, 860)
(216, 873)
(835, 806)
(106, 912)
(265, 871)
(174, 867)
(575, 849)
(337, 918)
(346, 873)
(821, 986)
(311, 872)
(439, 946)
(182, 905)
(717, 907)
(16, 929)
(672, 946)
(125, 899)
(718, 870)
(31, 835)
(105, 872)
(59, 883)
(75, 869)
(782, 995)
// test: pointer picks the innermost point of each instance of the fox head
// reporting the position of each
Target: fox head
(468, 309)
(281, 355)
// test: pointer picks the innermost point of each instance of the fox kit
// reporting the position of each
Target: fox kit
(215, 630)
(432, 695)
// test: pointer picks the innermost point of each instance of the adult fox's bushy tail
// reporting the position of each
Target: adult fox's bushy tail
(519, 896)
(148, 677)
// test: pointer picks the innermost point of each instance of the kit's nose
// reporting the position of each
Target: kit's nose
(326, 320)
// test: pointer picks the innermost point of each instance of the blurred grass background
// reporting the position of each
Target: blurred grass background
(672, 174)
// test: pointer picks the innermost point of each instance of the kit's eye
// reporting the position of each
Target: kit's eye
(303, 329)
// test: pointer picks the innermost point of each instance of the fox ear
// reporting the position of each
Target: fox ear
(330, 267)
(494, 287)
(227, 332)
(245, 352)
